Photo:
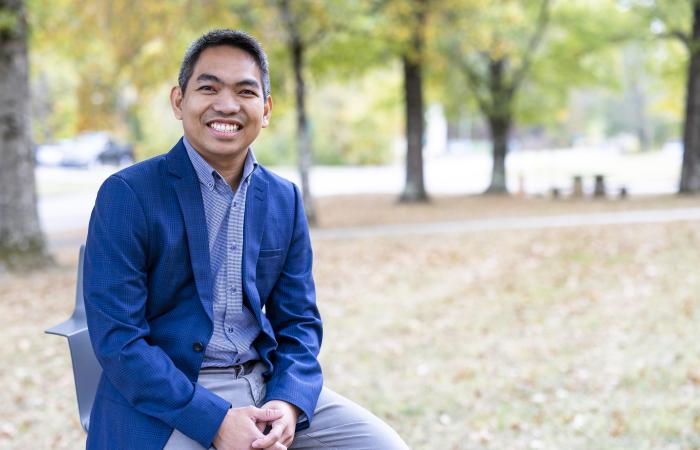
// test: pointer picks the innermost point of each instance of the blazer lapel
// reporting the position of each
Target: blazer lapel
(253, 227)
(190, 198)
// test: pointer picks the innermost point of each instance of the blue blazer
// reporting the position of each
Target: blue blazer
(148, 298)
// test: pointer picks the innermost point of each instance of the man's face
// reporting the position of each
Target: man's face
(222, 109)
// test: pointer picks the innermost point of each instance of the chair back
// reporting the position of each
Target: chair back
(86, 369)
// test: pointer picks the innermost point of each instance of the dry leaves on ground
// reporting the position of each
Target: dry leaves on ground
(577, 339)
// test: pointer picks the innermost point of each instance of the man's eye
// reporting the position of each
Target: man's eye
(206, 89)
(248, 92)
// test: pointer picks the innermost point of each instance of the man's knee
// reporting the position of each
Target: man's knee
(341, 423)
(383, 436)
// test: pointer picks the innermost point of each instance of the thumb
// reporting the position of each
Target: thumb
(268, 415)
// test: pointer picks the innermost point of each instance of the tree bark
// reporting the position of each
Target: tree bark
(414, 190)
(21, 241)
(303, 138)
(303, 135)
(500, 131)
(499, 116)
(690, 172)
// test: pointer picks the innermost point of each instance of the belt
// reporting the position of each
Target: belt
(245, 368)
(238, 369)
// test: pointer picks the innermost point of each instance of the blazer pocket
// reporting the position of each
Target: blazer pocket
(269, 262)
(270, 252)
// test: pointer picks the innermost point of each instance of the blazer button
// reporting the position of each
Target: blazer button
(197, 347)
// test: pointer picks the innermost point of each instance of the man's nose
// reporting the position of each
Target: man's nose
(226, 103)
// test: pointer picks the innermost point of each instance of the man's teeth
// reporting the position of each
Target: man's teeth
(226, 127)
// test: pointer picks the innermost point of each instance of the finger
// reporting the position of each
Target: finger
(267, 415)
(287, 436)
(275, 435)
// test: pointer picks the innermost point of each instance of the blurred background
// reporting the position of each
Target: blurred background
(514, 181)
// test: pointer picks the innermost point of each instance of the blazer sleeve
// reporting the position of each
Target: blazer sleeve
(291, 308)
(116, 292)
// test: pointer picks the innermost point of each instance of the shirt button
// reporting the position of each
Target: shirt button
(233, 289)
(230, 329)
(233, 246)
(197, 347)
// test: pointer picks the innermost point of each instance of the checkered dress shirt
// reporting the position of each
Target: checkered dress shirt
(235, 327)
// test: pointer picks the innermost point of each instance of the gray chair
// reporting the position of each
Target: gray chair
(86, 369)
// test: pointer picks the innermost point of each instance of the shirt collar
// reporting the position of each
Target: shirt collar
(250, 165)
(207, 174)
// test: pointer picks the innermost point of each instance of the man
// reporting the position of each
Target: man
(198, 285)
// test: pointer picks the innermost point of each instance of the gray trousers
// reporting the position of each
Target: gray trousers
(338, 423)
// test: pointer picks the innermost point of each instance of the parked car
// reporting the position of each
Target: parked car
(49, 154)
(86, 150)
(673, 146)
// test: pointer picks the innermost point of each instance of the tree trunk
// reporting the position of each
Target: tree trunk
(303, 135)
(21, 241)
(690, 172)
(296, 48)
(500, 131)
(499, 116)
(414, 191)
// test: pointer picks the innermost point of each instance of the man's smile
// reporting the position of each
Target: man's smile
(226, 128)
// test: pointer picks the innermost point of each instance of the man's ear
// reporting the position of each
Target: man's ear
(176, 101)
(267, 112)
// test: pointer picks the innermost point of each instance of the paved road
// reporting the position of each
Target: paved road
(514, 223)
(478, 225)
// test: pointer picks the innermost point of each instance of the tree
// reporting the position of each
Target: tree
(21, 240)
(412, 60)
(690, 173)
(349, 38)
(669, 25)
(298, 31)
(495, 63)
(679, 20)
(296, 46)
(519, 61)
(313, 33)
(402, 32)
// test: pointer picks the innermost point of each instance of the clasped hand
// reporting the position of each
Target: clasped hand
(242, 428)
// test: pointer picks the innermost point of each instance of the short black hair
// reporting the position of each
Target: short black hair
(232, 38)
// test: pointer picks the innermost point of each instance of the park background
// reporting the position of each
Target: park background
(472, 295)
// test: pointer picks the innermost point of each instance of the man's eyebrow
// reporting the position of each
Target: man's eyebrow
(209, 77)
(252, 82)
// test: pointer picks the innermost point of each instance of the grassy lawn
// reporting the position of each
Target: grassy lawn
(573, 339)
(553, 339)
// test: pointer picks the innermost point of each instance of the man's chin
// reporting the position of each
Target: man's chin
(231, 151)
